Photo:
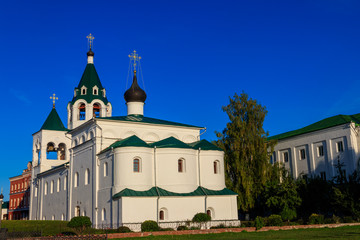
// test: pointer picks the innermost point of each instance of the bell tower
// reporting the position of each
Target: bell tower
(89, 99)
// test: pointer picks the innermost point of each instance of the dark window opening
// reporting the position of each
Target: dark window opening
(96, 110)
(286, 157)
(82, 111)
(162, 215)
(136, 165)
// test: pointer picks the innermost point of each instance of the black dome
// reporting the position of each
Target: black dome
(90, 53)
(135, 93)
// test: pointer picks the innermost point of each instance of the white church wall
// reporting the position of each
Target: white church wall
(137, 210)
(181, 208)
(104, 208)
(315, 163)
(124, 174)
(222, 207)
(210, 179)
(168, 176)
(83, 179)
(105, 170)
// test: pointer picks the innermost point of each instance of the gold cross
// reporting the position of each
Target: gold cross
(134, 57)
(54, 99)
(90, 40)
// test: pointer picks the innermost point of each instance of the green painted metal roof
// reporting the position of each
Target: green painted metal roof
(157, 191)
(323, 124)
(170, 142)
(53, 122)
(90, 79)
(142, 119)
(204, 145)
(5, 205)
(132, 141)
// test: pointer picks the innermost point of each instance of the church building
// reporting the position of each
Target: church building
(120, 170)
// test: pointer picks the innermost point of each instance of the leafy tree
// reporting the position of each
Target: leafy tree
(244, 141)
(282, 197)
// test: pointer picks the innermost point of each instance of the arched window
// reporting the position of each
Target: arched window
(162, 215)
(58, 185)
(62, 217)
(45, 188)
(65, 182)
(61, 151)
(52, 186)
(136, 165)
(76, 179)
(181, 165)
(103, 214)
(106, 169)
(53, 217)
(51, 151)
(77, 211)
(12, 188)
(82, 111)
(216, 167)
(84, 213)
(96, 110)
(208, 212)
(87, 176)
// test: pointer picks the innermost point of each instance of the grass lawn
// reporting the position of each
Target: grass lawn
(349, 232)
(46, 227)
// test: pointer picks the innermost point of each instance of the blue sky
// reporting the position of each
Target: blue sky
(300, 59)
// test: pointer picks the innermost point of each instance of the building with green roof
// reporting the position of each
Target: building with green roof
(314, 150)
(120, 170)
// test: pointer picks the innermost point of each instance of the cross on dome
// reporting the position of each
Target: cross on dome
(90, 40)
(135, 58)
(54, 98)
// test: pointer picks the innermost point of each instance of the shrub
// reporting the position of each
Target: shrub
(194, 228)
(247, 224)
(80, 223)
(218, 226)
(149, 226)
(316, 219)
(259, 222)
(275, 220)
(123, 229)
(181, 228)
(166, 229)
(201, 217)
(347, 219)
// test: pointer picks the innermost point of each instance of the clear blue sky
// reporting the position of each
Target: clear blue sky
(300, 59)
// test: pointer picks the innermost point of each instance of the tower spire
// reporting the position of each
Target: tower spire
(90, 53)
(54, 98)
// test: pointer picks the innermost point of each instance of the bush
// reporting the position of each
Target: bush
(316, 219)
(259, 222)
(247, 224)
(166, 229)
(348, 219)
(149, 226)
(194, 228)
(201, 217)
(123, 229)
(80, 223)
(274, 220)
(181, 228)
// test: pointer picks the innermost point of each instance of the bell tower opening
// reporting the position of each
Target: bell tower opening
(82, 111)
(96, 110)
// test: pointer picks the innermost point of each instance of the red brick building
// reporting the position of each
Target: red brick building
(19, 201)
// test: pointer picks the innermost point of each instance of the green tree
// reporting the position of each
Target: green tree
(247, 151)
(80, 224)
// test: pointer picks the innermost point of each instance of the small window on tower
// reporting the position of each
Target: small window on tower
(51, 152)
(96, 110)
(136, 164)
(82, 111)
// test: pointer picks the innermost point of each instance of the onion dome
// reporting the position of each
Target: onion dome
(90, 53)
(135, 93)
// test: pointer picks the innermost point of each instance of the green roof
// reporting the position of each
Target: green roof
(323, 124)
(132, 141)
(53, 122)
(90, 79)
(170, 142)
(142, 119)
(5, 205)
(204, 145)
(157, 191)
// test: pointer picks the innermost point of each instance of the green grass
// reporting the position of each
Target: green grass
(349, 232)
(46, 227)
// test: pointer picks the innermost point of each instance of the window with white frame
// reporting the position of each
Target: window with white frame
(216, 167)
(58, 185)
(181, 165)
(340, 146)
(286, 157)
(87, 176)
(302, 154)
(106, 169)
(320, 150)
(52, 186)
(76, 179)
(45, 188)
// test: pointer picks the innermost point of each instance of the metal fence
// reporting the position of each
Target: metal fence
(136, 227)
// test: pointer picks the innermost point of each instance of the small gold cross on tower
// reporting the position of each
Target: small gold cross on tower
(54, 99)
(134, 57)
(90, 40)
